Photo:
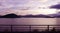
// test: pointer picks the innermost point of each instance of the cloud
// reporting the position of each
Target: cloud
(41, 0)
(57, 6)
(21, 6)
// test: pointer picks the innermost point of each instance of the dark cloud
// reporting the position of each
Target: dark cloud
(57, 6)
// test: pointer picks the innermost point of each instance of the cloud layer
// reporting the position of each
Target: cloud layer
(22, 6)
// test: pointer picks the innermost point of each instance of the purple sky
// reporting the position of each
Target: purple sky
(21, 6)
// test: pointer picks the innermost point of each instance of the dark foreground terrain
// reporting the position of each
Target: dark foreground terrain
(28, 29)
(35, 31)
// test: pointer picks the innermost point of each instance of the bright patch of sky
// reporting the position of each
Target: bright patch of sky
(10, 6)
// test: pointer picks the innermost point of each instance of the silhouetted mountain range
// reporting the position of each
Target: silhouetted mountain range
(57, 15)
(10, 16)
(37, 16)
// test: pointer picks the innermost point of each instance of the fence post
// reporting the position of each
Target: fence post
(48, 27)
(30, 28)
(11, 28)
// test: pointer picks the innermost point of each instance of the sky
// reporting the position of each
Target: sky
(24, 7)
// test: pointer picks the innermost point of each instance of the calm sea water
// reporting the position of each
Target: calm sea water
(30, 21)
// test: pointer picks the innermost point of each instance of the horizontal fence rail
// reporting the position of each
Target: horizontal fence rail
(25, 28)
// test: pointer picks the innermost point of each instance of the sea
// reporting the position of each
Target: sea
(30, 21)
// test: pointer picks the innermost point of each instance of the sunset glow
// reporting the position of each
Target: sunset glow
(24, 7)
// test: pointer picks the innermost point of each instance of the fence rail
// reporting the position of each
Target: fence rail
(18, 28)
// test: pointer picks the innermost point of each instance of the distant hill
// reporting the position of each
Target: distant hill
(36, 16)
(10, 16)
(25, 16)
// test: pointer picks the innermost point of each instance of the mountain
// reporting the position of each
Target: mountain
(37, 16)
(10, 16)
